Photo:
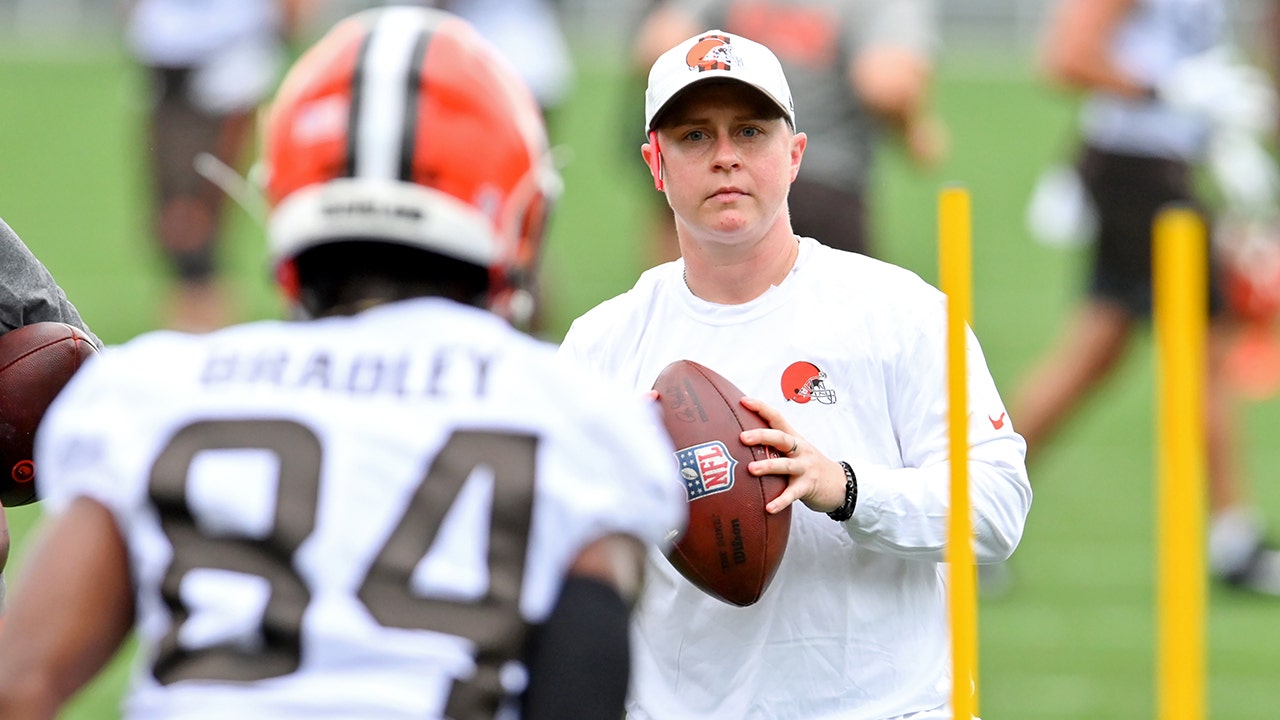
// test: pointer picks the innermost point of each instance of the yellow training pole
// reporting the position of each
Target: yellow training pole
(955, 261)
(1181, 308)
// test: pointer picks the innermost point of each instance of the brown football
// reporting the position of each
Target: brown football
(36, 361)
(732, 545)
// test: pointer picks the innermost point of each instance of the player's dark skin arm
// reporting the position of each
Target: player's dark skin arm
(4, 540)
(71, 611)
(579, 659)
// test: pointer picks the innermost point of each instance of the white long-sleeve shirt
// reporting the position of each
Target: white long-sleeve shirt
(854, 624)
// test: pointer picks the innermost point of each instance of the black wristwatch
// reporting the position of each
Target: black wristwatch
(845, 511)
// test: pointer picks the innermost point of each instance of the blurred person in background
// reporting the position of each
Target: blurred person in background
(1163, 93)
(529, 34)
(398, 508)
(28, 294)
(861, 72)
(1251, 241)
(209, 64)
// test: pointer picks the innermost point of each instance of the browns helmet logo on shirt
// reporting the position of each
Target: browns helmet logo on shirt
(711, 52)
(803, 381)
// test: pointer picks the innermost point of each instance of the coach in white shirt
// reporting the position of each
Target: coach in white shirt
(845, 358)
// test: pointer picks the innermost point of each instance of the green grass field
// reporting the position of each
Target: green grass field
(1075, 639)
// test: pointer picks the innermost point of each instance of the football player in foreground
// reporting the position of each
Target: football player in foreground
(28, 294)
(402, 508)
(845, 358)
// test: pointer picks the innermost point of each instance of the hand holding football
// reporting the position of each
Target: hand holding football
(732, 546)
(36, 361)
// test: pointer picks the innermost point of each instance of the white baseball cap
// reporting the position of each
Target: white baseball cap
(715, 55)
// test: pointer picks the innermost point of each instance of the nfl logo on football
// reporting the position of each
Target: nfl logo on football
(706, 469)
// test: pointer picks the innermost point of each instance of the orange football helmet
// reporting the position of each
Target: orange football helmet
(403, 125)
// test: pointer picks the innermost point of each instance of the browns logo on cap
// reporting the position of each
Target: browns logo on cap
(711, 52)
(710, 55)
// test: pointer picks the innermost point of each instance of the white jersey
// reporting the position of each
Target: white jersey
(1152, 39)
(189, 32)
(233, 48)
(528, 33)
(854, 625)
(361, 516)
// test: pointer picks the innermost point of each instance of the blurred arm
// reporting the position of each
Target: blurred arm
(1075, 52)
(4, 549)
(71, 611)
(296, 14)
(894, 82)
(615, 560)
(661, 30)
(4, 557)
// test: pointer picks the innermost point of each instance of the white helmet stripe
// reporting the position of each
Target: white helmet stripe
(383, 88)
